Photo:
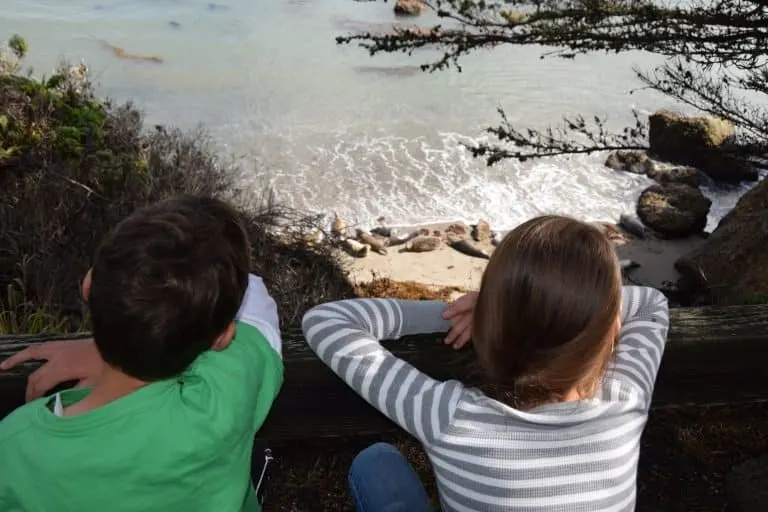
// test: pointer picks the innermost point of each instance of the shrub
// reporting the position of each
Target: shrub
(72, 165)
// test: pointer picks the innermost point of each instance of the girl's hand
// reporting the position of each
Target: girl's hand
(65, 361)
(460, 313)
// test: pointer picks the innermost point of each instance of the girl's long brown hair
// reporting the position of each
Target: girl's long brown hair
(546, 310)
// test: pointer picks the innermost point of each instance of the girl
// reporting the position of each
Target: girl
(569, 359)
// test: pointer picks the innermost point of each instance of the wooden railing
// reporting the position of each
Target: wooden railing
(714, 355)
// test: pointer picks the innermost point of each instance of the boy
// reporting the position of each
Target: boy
(183, 368)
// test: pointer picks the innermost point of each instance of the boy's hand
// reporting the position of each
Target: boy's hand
(66, 361)
(460, 313)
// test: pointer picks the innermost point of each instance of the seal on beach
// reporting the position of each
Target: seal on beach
(481, 231)
(422, 243)
(395, 239)
(633, 226)
(382, 231)
(464, 247)
(368, 239)
(337, 227)
(355, 248)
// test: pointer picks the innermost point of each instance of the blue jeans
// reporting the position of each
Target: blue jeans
(381, 480)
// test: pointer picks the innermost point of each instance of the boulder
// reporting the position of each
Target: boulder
(695, 141)
(636, 162)
(409, 7)
(732, 265)
(664, 173)
(673, 210)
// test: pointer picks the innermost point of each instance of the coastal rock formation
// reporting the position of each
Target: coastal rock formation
(673, 210)
(409, 7)
(665, 173)
(638, 162)
(694, 141)
(732, 265)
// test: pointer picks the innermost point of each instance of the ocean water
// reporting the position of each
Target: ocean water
(329, 128)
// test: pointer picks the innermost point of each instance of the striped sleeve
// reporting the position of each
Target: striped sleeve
(345, 335)
(643, 336)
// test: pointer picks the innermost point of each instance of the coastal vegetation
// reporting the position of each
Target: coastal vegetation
(73, 164)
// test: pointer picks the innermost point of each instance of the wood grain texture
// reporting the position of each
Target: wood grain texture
(714, 355)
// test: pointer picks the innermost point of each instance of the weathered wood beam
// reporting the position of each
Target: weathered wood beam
(714, 354)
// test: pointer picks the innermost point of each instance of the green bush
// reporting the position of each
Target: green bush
(72, 165)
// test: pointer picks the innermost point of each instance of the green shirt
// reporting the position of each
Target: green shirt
(177, 445)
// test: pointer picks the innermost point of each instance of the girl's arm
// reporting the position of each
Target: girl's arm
(643, 336)
(345, 335)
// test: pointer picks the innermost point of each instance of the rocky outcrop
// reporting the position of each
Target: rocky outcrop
(665, 173)
(697, 142)
(638, 162)
(409, 7)
(732, 265)
(673, 210)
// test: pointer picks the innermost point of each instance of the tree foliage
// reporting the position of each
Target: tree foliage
(716, 60)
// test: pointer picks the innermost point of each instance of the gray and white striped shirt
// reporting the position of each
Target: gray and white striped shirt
(487, 456)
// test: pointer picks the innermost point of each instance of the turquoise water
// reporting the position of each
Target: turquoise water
(329, 128)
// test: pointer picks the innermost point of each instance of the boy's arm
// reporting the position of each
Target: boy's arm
(643, 336)
(245, 377)
(346, 334)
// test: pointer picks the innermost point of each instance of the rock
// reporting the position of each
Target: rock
(410, 7)
(481, 231)
(673, 210)
(636, 162)
(665, 173)
(691, 141)
(732, 264)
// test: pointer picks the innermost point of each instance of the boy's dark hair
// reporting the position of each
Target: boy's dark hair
(166, 282)
(547, 305)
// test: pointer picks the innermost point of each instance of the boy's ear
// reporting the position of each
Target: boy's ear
(225, 338)
(86, 287)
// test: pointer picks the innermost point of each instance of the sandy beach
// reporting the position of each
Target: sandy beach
(448, 267)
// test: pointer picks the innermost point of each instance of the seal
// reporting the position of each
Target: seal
(633, 226)
(481, 231)
(368, 239)
(355, 248)
(337, 227)
(422, 243)
(382, 231)
(464, 247)
(395, 239)
(627, 265)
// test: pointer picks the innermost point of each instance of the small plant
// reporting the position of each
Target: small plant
(18, 46)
